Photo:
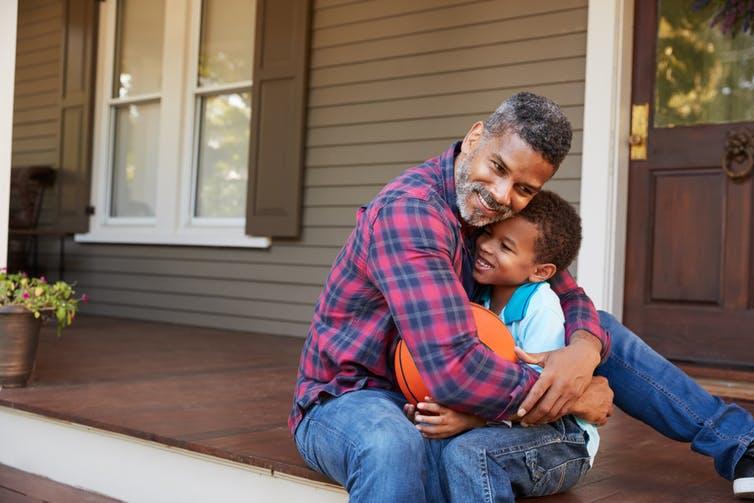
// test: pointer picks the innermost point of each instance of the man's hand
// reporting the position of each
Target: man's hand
(596, 404)
(566, 375)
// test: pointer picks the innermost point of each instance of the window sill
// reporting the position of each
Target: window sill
(200, 237)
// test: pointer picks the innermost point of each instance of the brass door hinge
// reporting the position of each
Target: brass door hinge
(639, 128)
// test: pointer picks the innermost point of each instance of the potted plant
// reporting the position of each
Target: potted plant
(24, 303)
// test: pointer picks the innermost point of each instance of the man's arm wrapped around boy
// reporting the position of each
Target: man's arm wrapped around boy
(411, 261)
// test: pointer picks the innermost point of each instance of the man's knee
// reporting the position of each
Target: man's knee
(607, 320)
(391, 447)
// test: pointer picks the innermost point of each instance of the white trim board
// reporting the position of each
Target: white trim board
(604, 169)
(136, 470)
(8, 23)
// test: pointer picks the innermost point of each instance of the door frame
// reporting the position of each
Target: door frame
(604, 167)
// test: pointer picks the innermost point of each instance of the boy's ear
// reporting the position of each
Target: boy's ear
(542, 272)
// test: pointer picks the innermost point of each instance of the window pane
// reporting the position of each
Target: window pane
(227, 44)
(139, 58)
(223, 156)
(702, 75)
(135, 160)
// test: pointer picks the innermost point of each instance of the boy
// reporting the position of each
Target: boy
(515, 258)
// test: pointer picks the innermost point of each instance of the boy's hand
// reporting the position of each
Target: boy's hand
(409, 410)
(566, 375)
(435, 421)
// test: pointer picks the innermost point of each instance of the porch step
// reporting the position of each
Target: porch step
(17, 485)
(135, 470)
(734, 390)
(733, 384)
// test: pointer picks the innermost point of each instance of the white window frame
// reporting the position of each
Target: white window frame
(173, 223)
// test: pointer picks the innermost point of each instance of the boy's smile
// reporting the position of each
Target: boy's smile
(505, 253)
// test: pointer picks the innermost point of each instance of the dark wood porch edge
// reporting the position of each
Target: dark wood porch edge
(275, 466)
(220, 393)
(227, 394)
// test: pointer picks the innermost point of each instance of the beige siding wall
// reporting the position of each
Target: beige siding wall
(392, 83)
(36, 112)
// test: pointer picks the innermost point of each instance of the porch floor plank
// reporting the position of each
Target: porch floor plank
(227, 394)
(22, 487)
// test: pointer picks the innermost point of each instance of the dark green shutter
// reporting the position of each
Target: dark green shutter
(76, 107)
(278, 118)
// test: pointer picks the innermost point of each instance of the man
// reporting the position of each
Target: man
(405, 271)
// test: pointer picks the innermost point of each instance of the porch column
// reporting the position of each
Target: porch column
(8, 21)
(604, 168)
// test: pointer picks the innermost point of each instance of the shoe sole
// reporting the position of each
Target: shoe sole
(744, 488)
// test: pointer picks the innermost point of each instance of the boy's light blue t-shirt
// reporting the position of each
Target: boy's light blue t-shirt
(536, 322)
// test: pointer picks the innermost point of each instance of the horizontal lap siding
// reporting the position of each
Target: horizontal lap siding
(37, 82)
(392, 83)
(36, 112)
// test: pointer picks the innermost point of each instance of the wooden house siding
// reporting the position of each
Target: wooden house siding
(391, 84)
(36, 101)
(36, 96)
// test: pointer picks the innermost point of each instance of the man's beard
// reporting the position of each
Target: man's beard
(466, 189)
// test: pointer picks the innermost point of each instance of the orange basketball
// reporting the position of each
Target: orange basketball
(492, 332)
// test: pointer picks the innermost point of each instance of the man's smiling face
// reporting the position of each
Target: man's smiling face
(496, 176)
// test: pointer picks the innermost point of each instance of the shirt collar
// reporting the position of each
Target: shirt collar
(518, 304)
(515, 309)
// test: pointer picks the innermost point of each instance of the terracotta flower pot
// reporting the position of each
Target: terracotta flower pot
(19, 337)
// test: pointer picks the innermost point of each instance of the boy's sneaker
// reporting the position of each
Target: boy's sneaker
(743, 476)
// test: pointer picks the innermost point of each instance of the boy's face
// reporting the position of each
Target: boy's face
(505, 253)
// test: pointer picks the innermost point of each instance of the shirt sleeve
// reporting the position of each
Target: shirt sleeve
(410, 260)
(578, 310)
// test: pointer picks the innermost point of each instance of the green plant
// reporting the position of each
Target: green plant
(733, 16)
(40, 297)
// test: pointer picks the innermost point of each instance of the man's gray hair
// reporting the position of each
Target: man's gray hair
(538, 121)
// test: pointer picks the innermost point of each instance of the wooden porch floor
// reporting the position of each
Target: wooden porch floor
(227, 394)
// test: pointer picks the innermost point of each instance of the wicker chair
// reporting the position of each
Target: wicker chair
(27, 188)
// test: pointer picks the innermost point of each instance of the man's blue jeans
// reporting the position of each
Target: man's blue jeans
(363, 441)
(653, 390)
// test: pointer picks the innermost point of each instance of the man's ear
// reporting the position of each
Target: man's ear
(542, 272)
(472, 138)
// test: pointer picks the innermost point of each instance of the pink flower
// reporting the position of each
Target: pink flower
(85, 298)
(26, 295)
(43, 280)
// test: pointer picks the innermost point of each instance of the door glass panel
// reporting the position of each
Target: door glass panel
(702, 75)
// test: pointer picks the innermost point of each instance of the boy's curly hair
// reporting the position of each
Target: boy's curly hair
(559, 229)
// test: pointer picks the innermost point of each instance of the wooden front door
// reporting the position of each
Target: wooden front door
(689, 258)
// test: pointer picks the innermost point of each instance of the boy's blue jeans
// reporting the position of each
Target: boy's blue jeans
(363, 441)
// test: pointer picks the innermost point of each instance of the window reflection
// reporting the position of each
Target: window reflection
(223, 156)
(702, 76)
(135, 160)
(140, 34)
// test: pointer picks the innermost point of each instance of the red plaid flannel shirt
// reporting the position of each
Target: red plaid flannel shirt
(406, 271)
